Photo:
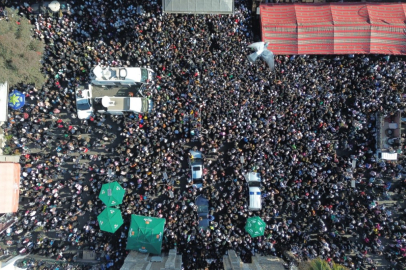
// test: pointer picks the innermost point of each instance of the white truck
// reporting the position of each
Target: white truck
(118, 105)
(109, 76)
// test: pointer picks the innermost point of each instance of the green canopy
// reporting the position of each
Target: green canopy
(145, 234)
(255, 226)
(112, 194)
(110, 219)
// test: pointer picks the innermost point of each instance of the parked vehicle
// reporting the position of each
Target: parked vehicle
(84, 103)
(203, 212)
(196, 168)
(254, 188)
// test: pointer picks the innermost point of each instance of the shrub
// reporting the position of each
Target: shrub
(8, 137)
(7, 150)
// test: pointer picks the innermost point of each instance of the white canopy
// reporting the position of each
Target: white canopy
(3, 101)
(198, 6)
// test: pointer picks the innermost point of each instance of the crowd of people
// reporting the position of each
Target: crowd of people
(300, 127)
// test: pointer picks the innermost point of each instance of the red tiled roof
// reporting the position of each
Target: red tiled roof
(334, 28)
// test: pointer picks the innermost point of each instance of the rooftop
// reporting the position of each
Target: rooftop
(139, 261)
(115, 91)
(388, 127)
(10, 184)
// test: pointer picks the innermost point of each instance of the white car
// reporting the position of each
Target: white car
(196, 167)
(254, 188)
(105, 76)
(84, 103)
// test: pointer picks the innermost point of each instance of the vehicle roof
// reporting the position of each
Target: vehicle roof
(196, 154)
(202, 210)
(132, 73)
(120, 104)
(254, 189)
(196, 162)
(255, 198)
(125, 104)
(84, 99)
(202, 204)
(197, 174)
(204, 223)
(114, 91)
(252, 177)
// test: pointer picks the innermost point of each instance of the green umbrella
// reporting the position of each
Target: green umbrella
(145, 234)
(112, 194)
(255, 226)
(110, 220)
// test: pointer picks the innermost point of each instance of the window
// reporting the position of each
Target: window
(196, 169)
(83, 106)
(252, 193)
(197, 181)
(258, 193)
(144, 75)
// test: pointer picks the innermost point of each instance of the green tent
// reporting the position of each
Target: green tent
(110, 220)
(255, 226)
(145, 234)
(112, 194)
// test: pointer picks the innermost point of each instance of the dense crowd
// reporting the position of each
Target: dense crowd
(288, 125)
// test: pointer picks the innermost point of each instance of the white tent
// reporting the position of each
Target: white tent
(198, 6)
(3, 101)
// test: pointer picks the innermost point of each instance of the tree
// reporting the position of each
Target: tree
(338, 267)
(20, 54)
(320, 264)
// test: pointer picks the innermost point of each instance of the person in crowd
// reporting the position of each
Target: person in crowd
(288, 125)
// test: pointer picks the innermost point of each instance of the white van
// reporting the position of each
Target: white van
(254, 187)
